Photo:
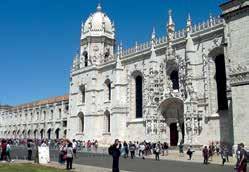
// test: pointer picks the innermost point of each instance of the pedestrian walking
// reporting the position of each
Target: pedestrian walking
(205, 155)
(243, 159)
(181, 148)
(141, 150)
(69, 156)
(210, 153)
(114, 151)
(223, 155)
(190, 152)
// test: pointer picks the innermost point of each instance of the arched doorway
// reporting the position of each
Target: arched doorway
(49, 133)
(57, 133)
(172, 111)
(220, 77)
(139, 96)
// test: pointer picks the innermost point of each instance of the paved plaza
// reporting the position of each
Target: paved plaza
(138, 165)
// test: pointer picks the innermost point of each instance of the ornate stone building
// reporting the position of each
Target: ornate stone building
(41, 119)
(190, 86)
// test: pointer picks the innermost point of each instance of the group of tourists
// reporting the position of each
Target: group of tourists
(142, 149)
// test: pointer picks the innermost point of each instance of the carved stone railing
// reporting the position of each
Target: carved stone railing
(239, 75)
(210, 23)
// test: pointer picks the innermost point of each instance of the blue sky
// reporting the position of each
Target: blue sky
(38, 38)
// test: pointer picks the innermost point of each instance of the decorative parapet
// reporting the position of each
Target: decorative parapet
(239, 75)
(210, 23)
(139, 48)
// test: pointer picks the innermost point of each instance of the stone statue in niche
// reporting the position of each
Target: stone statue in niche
(188, 125)
(149, 127)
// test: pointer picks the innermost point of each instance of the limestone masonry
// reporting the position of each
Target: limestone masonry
(191, 85)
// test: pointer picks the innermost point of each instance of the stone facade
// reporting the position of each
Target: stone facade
(188, 89)
(41, 119)
(190, 85)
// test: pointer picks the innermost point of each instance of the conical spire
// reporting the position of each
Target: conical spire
(99, 8)
(170, 22)
(189, 43)
(118, 61)
(153, 35)
(153, 38)
(189, 25)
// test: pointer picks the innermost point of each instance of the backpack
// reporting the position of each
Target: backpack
(110, 150)
(247, 156)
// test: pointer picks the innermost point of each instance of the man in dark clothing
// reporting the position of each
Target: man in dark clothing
(243, 159)
(4, 148)
(115, 152)
(205, 155)
(132, 148)
(29, 147)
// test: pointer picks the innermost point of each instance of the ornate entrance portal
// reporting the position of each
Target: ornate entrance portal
(172, 111)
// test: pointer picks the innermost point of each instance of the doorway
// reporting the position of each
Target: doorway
(173, 134)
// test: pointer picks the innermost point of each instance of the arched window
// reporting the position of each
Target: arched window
(85, 54)
(107, 122)
(139, 96)
(221, 82)
(108, 89)
(49, 133)
(52, 114)
(44, 115)
(57, 133)
(81, 122)
(42, 133)
(83, 93)
(175, 80)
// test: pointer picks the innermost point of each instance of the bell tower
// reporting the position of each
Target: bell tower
(97, 39)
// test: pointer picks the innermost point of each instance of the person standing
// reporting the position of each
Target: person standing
(126, 150)
(74, 147)
(29, 147)
(243, 159)
(69, 156)
(205, 155)
(157, 151)
(132, 148)
(114, 151)
(3, 146)
(237, 156)
(8, 157)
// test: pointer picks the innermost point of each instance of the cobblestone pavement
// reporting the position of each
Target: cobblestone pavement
(180, 164)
